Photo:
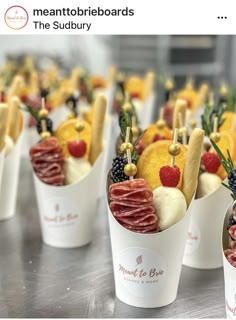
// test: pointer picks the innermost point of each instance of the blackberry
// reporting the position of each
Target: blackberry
(73, 101)
(49, 125)
(180, 140)
(117, 173)
(232, 181)
(231, 221)
(44, 93)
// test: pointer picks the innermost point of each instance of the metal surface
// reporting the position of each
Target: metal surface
(39, 281)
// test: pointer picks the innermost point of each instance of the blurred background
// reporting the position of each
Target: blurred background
(204, 57)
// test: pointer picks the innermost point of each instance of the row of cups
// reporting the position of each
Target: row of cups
(146, 266)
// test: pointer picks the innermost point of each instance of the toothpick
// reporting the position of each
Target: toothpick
(44, 126)
(43, 103)
(215, 125)
(127, 135)
(128, 152)
(161, 113)
(175, 138)
(180, 118)
(184, 137)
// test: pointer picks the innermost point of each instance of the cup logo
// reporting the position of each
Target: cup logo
(141, 271)
(16, 17)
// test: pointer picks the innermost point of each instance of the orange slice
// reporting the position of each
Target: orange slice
(229, 121)
(66, 132)
(154, 157)
(152, 130)
(134, 85)
(227, 141)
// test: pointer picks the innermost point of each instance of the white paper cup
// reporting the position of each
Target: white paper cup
(229, 275)
(9, 184)
(147, 266)
(67, 213)
(203, 245)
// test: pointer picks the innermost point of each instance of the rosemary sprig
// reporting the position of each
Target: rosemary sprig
(226, 163)
(125, 120)
(208, 118)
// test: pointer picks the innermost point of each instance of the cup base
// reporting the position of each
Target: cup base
(7, 216)
(145, 305)
(203, 267)
(66, 245)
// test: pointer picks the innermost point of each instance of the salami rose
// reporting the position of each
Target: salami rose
(131, 205)
(47, 160)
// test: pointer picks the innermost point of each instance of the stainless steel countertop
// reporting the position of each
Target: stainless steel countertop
(38, 281)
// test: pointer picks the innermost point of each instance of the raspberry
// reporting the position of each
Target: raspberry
(169, 176)
(211, 162)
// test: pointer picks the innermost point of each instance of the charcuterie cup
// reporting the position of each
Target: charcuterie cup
(67, 213)
(9, 181)
(147, 266)
(229, 274)
(203, 245)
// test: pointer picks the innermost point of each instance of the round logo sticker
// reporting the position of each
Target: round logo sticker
(16, 17)
(193, 239)
(141, 271)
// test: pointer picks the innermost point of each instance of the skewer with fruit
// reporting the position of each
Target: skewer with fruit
(66, 156)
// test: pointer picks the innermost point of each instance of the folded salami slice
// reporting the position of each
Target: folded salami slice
(47, 160)
(231, 256)
(131, 204)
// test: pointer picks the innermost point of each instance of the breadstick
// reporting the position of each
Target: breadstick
(180, 107)
(13, 119)
(15, 88)
(97, 128)
(192, 164)
(3, 124)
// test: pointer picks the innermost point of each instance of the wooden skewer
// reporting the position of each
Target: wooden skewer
(175, 138)
(128, 152)
(215, 125)
(161, 113)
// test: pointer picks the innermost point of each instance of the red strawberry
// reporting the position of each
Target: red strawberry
(77, 148)
(169, 176)
(211, 162)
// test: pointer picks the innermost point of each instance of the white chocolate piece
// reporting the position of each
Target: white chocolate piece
(170, 206)
(207, 183)
(76, 169)
(9, 145)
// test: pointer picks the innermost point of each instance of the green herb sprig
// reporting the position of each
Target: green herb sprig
(226, 163)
